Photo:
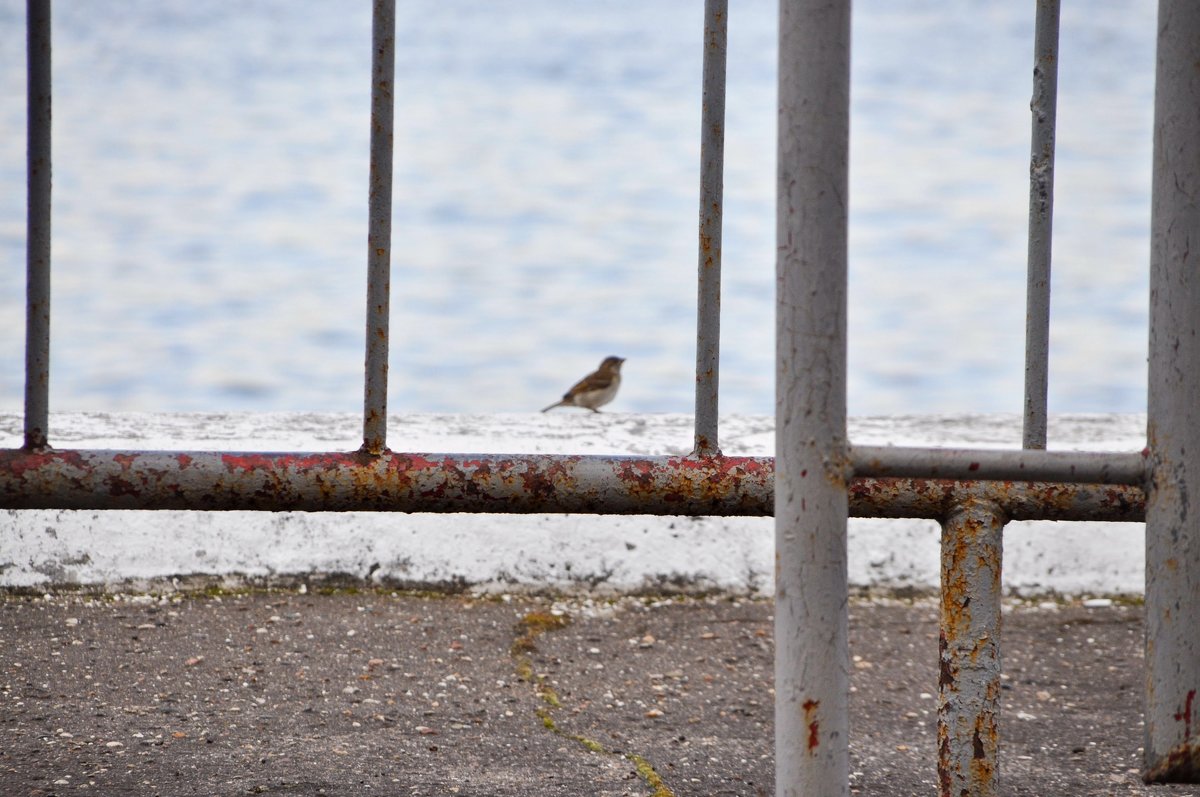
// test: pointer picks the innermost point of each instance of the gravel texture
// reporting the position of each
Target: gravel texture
(379, 693)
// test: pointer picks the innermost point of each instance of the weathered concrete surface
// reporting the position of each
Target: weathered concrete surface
(377, 693)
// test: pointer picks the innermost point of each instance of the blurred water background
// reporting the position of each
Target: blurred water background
(210, 211)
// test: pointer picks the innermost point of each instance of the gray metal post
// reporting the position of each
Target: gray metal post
(969, 651)
(37, 263)
(379, 234)
(811, 648)
(1044, 106)
(1172, 744)
(712, 168)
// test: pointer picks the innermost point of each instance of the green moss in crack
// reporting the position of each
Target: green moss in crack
(549, 695)
(652, 778)
(532, 625)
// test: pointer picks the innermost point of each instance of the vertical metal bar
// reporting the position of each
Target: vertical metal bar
(1044, 107)
(379, 236)
(37, 263)
(811, 654)
(712, 168)
(969, 651)
(1172, 735)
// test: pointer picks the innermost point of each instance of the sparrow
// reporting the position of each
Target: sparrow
(596, 389)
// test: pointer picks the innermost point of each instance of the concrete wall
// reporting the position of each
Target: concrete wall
(509, 552)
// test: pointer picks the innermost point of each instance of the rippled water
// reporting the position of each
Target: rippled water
(210, 204)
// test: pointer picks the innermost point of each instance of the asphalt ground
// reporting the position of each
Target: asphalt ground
(373, 692)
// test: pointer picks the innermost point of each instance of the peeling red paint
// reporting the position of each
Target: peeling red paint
(413, 462)
(333, 481)
(20, 462)
(1185, 716)
(814, 724)
(247, 462)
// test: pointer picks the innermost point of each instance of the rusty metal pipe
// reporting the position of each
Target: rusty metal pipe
(320, 482)
(208, 480)
(1172, 734)
(37, 263)
(712, 175)
(969, 650)
(379, 233)
(812, 660)
(937, 499)
(1094, 467)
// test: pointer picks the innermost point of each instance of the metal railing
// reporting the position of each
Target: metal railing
(817, 468)
(818, 478)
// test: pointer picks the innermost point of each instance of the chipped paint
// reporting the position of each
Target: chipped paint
(717, 485)
(969, 648)
(937, 498)
(1181, 764)
(1185, 716)
(390, 482)
(814, 724)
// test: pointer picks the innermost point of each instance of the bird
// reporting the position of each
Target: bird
(594, 390)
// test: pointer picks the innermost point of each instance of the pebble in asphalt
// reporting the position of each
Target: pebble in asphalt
(372, 692)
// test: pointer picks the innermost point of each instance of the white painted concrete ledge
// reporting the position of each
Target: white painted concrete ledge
(530, 552)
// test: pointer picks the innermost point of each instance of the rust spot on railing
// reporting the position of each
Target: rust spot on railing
(1180, 765)
(383, 479)
(813, 723)
(968, 643)
(945, 781)
(946, 670)
(361, 480)
(1185, 716)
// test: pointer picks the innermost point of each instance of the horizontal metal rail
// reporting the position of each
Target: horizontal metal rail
(937, 499)
(531, 483)
(405, 482)
(1093, 467)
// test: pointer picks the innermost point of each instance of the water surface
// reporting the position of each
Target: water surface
(210, 204)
